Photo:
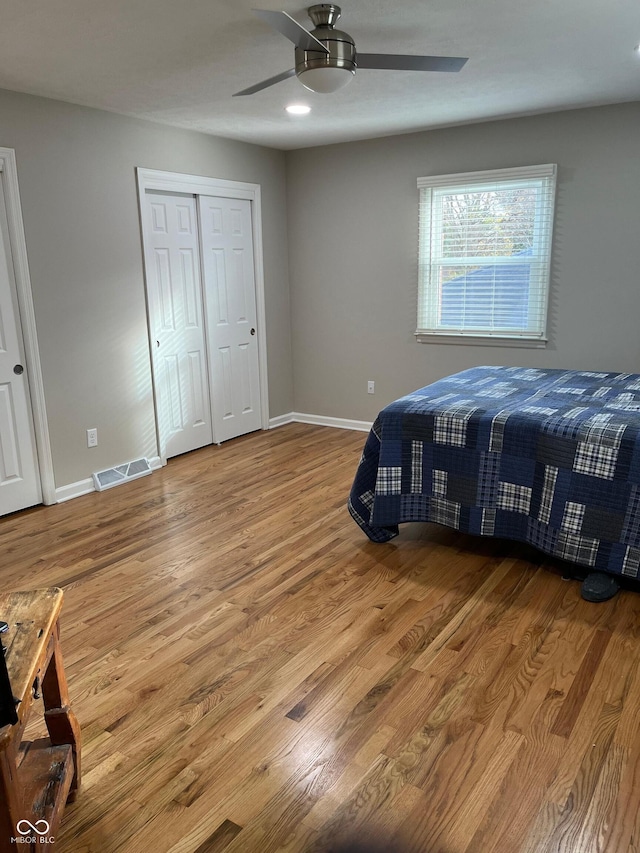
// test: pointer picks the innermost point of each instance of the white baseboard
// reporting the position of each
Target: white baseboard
(281, 420)
(84, 487)
(74, 490)
(320, 420)
(155, 462)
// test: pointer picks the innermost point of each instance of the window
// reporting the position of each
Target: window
(484, 254)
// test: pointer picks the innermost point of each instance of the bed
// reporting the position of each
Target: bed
(548, 457)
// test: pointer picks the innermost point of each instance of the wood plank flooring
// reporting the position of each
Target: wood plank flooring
(252, 674)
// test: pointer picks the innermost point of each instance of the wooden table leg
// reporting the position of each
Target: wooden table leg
(61, 722)
(11, 810)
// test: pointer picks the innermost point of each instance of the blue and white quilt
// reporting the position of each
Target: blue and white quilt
(548, 457)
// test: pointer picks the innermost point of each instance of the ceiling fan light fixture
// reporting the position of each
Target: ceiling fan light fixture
(326, 79)
(328, 71)
(326, 58)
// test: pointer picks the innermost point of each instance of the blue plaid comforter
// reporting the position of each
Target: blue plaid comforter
(549, 457)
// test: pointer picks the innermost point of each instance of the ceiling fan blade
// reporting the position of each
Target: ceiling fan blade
(291, 29)
(395, 62)
(266, 83)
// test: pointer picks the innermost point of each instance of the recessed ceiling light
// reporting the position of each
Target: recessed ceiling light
(298, 109)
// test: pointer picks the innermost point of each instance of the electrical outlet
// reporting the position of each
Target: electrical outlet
(92, 437)
(371, 387)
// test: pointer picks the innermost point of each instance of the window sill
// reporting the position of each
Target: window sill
(481, 340)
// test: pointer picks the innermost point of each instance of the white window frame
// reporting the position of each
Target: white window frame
(428, 294)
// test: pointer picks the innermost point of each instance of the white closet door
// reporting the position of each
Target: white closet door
(177, 324)
(226, 241)
(19, 473)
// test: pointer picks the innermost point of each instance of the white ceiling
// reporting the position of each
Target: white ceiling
(180, 61)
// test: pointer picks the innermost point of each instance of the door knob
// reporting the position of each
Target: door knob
(18, 369)
(253, 331)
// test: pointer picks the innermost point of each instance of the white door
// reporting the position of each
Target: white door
(19, 473)
(226, 239)
(172, 259)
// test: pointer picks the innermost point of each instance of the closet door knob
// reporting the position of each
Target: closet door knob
(253, 331)
(18, 369)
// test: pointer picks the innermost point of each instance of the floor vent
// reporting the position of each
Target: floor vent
(121, 474)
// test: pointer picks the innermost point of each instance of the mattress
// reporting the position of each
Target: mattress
(547, 457)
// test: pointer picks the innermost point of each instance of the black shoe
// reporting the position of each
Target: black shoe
(598, 586)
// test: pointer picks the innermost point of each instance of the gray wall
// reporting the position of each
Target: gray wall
(76, 169)
(353, 234)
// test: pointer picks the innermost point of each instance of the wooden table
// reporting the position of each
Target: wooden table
(36, 778)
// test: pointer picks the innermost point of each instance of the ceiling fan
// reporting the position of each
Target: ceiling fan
(326, 58)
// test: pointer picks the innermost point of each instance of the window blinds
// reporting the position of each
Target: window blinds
(484, 252)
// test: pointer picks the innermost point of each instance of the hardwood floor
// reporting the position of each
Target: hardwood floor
(252, 674)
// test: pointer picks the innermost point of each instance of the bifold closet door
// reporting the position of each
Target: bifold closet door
(226, 242)
(172, 258)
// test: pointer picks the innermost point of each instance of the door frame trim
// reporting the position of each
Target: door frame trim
(176, 182)
(18, 244)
